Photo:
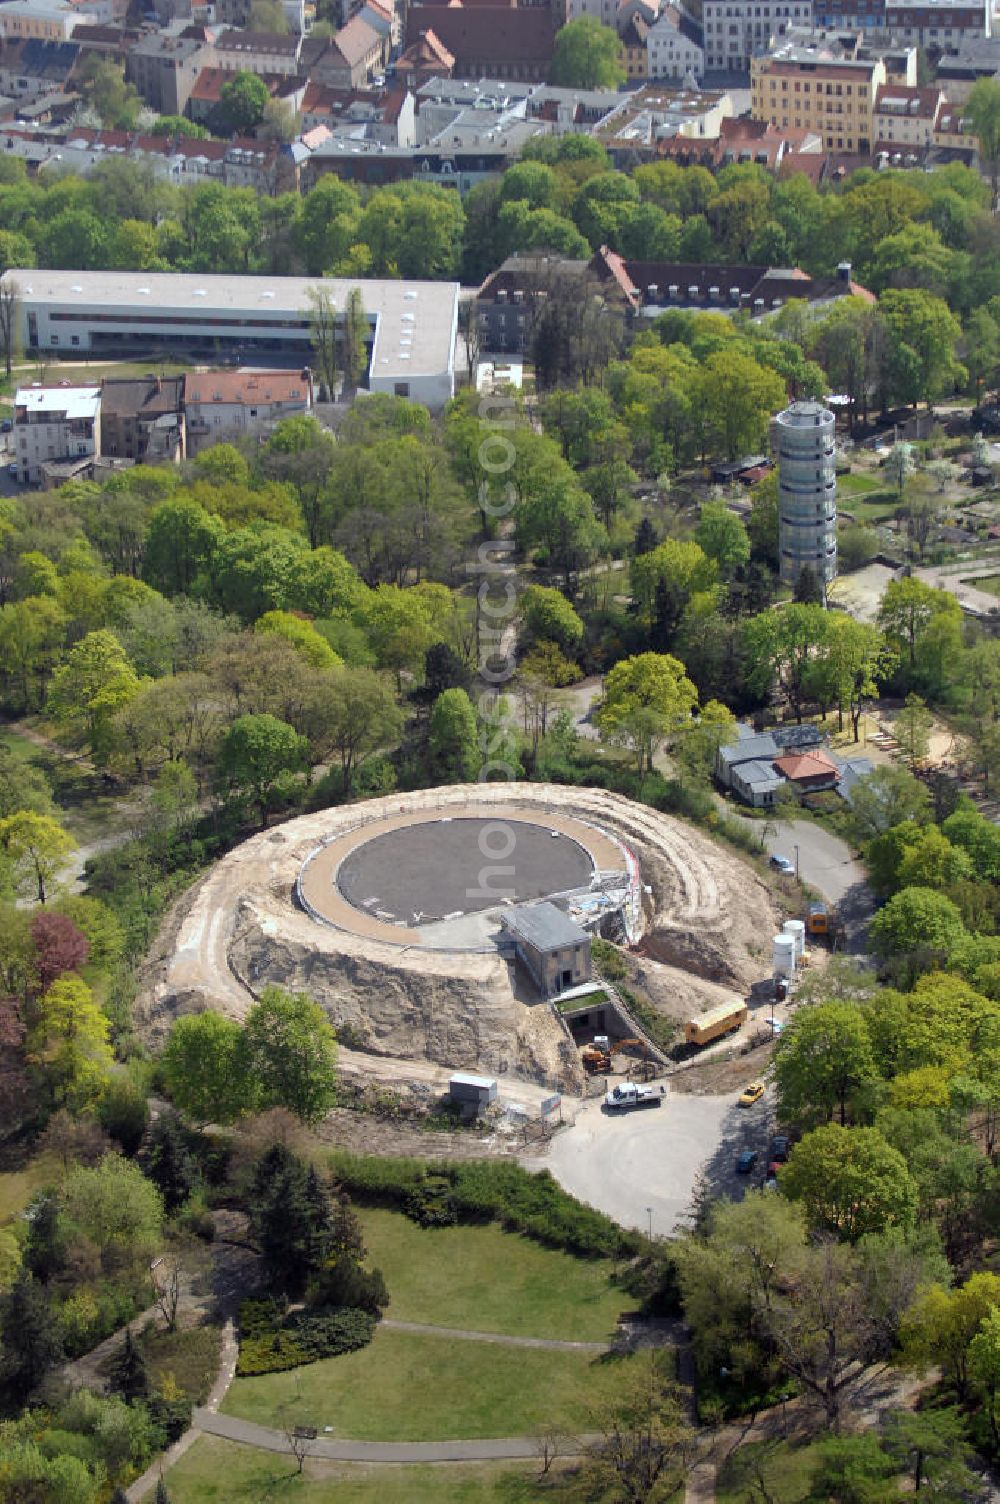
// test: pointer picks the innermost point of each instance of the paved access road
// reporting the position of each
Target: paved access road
(630, 1163)
(827, 864)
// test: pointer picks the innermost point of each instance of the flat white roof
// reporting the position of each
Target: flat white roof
(415, 321)
(74, 401)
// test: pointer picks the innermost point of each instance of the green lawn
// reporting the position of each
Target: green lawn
(491, 1281)
(18, 1186)
(988, 582)
(787, 1468)
(409, 1387)
(222, 1472)
(856, 484)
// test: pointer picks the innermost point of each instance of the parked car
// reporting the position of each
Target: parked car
(746, 1161)
(12, 469)
(782, 864)
(780, 1147)
(752, 1094)
(775, 1025)
(6, 426)
(773, 1169)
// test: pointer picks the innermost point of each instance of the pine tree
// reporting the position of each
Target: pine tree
(129, 1375)
(290, 1211)
(168, 1162)
(30, 1337)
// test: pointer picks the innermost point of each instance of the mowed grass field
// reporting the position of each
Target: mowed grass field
(223, 1472)
(407, 1386)
(487, 1280)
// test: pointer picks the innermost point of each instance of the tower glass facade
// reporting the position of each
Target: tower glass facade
(807, 491)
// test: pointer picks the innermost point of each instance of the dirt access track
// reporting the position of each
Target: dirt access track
(407, 1013)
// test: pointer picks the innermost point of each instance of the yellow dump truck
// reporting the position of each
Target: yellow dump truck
(725, 1018)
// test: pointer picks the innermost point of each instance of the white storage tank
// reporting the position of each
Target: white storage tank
(796, 928)
(784, 955)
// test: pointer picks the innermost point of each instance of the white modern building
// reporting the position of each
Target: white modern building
(257, 320)
(807, 491)
(53, 424)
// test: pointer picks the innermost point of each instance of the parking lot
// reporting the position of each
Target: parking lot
(642, 1166)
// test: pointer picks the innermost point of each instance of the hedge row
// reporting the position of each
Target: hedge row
(271, 1342)
(485, 1190)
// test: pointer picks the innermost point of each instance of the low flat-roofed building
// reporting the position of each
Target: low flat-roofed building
(553, 948)
(54, 423)
(136, 314)
(756, 782)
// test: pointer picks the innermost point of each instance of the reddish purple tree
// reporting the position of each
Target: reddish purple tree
(60, 946)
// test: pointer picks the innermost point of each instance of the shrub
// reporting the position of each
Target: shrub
(431, 1203)
(487, 1191)
(271, 1342)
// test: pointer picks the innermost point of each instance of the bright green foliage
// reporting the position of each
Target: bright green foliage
(645, 699)
(95, 681)
(942, 1324)
(179, 545)
(116, 1209)
(204, 1069)
(735, 398)
(982, 111)
(67, 1043)
(302, 635)
(935, 1024)
(917, 919)
(931, 861)
(291, 1054)
(675, 570)
(587, 56)
(548, 615)
(242, 100)
(454, 738)
(850, 1182)
(37, 846)
(822, 1059)
(722, 537)
(886, 798)
(783, 645)
(259, 754)
(358, 713)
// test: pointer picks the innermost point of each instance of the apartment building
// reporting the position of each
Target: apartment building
(226, 405)
(165, 67)
(815, 89)
(673, 48)
(735, 30)
(45, 20)
(936, 25)
(906, 118)
(53, 424)
(142, 419)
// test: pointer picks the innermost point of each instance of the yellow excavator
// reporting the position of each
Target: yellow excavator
(597, 1057)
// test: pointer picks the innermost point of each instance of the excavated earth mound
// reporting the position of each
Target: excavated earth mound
(405, 1012)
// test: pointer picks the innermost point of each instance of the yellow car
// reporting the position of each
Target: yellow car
(752, 1094)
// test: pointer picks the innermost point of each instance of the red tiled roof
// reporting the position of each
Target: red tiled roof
(247, 387)
(813, 764)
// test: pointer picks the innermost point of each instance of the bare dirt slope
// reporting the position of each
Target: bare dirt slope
(407, 1014)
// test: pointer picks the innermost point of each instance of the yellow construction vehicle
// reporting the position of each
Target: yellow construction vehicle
(597, 1057)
